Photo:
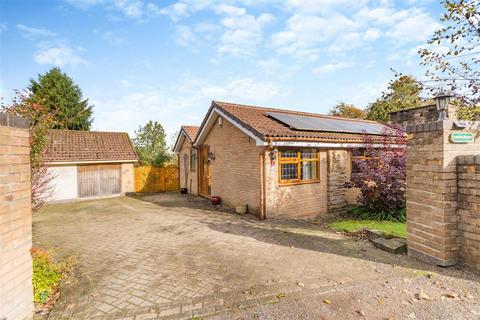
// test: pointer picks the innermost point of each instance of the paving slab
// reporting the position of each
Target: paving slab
(156, 255)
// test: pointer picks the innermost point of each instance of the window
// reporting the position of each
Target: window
(185, 163)
(298, 166)
(193, 159)
(360, 155)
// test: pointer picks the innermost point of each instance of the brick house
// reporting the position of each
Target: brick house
(280, 163)
(89, 164)
(187, 158)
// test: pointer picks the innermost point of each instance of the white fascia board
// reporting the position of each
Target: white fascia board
(87, 162)
(258, 141)
(331, 145)
(180, 140)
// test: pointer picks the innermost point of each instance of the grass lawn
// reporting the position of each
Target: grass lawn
(397, 229)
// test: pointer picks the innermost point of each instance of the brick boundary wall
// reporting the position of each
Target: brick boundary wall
(468, 168)
(16, 293)
(443, 194)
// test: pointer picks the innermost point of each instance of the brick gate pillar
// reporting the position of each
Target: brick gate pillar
(432, 218)
(16, 293)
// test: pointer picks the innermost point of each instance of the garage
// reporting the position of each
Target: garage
(89, 164)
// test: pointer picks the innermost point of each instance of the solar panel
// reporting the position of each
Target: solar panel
(308, 123)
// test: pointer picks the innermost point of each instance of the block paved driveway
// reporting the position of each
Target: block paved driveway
(172, 256)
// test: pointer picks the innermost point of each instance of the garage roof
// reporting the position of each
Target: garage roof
(88, 146)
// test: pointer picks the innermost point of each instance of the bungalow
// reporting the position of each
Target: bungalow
(279, 163)
(89, 164)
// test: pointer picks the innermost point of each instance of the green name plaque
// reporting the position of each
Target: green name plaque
(462, 137)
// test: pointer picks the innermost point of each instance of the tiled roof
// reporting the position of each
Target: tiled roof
(74, 146)
(191, 131)
(255, 120)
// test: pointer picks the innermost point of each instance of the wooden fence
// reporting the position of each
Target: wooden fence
(156, 179)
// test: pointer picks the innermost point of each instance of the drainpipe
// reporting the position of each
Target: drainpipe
(262, 185)
(262, 180)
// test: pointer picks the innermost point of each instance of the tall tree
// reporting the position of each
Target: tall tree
(453, 56)
(60, 96)
(403, 93)
(150, 144)
(346, 110)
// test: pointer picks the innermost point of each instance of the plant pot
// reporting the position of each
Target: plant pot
(241, 209)
(215, 200)
(183, 190)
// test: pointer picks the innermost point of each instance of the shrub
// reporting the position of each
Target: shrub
(363, 213)
(381, 178)
(46, 275)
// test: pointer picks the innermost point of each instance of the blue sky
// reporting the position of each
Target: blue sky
(138, 60)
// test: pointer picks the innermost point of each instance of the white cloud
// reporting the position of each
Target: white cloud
(175, 11)
(322, 6)
(245, 90)
(371, 34)
(417, 26)
(164, 103)
(83, 4)
(243, 32)
(272, 67)
(184, 35)
(366, 92)
(331, 67)
(130, 8)
(304, 33)
(34, 33)
(58, 56)
(3, 27)
(114, 38)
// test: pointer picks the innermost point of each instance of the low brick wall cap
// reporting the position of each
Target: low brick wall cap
(470, 159)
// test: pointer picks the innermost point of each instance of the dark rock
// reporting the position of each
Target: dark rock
(373, 234)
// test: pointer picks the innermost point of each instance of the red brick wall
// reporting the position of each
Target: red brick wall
(235, 172)
(15, 224)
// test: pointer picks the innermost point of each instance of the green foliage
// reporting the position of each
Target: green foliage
(469, 113)
(46, 275)
(396, 229)
(346, 110)
(61, 97)
(403, 93)
(39, 119)
(150, 144)
(451, 56)
(363, 213)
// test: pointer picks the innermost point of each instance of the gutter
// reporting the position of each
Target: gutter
(88, 162)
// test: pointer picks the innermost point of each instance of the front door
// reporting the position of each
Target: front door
(204, 172)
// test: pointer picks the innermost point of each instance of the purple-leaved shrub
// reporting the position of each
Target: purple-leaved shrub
(381, 178)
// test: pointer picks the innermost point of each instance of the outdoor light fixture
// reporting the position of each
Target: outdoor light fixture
(211, 156)
(441, 102)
